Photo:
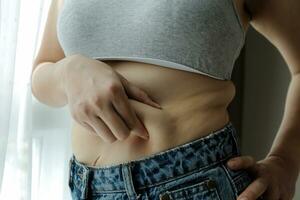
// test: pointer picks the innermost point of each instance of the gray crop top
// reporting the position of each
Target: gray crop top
(202, 36)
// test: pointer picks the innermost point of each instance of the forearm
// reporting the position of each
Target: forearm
(287, 140)
(46, 82)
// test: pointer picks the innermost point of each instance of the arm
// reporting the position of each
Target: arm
(49, 63)
(283, 30)
(97, 96)
(278, 21)
(47, 81)
(287, 141)
(276, 175)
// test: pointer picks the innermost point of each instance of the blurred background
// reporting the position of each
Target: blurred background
(35, 139)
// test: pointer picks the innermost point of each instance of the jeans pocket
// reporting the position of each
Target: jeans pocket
(240, 179)
(203, 189)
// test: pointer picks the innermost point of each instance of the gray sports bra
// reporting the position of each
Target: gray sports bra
(202, 36)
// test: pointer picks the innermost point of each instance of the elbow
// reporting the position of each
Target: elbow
(41, 87)
(32, 81)
(36, 89)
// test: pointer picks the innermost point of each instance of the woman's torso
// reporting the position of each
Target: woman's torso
(193, 105)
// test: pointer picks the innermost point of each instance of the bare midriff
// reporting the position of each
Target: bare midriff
(193, 106)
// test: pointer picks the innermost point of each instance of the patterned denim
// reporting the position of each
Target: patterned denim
(194, 170)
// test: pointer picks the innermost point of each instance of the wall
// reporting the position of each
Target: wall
(265, 84)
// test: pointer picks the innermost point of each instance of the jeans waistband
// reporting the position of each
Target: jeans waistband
(158, 168)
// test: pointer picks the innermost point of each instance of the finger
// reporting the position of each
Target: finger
(137, 93)
(125, 110)
(254, 190)
(89, 128)
(114, 121)
(84, 124)
(272, 193)
(241, 162)
(101, 129)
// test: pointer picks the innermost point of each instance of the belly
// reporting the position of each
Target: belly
(193, 105)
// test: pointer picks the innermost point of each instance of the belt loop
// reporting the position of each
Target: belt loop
(85, 182)
(235, 137)
(127, 177)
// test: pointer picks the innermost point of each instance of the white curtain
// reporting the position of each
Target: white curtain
(34, 138)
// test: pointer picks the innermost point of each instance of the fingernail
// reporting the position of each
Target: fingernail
(157, 105)
(144, 134)
(146, 137)
(231, 163)
(154, 103)
(232, 159)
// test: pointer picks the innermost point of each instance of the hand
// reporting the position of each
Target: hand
(97, 98)
(275, 178)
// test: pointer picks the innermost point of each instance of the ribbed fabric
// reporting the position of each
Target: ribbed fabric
(201, 36)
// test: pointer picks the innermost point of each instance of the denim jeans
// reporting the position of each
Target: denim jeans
(194, 170)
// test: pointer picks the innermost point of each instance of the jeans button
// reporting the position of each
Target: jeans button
(164, 196)
(211, 184)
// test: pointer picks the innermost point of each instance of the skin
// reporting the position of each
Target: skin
(85, 85)
(277, 173)
(178, 113)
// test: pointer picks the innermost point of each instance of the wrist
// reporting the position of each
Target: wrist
(287, 162)
(62, 72)
(70, 71)
(66, 63)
